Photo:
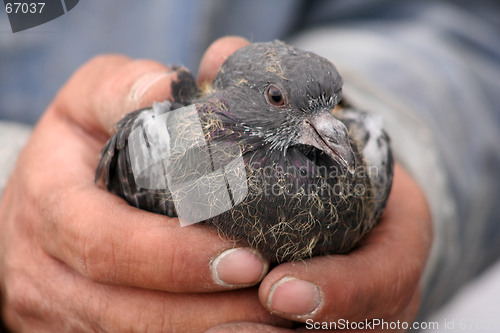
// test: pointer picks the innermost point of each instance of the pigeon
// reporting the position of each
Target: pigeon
(269, 154)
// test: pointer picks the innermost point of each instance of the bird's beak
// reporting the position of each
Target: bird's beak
(329, 134)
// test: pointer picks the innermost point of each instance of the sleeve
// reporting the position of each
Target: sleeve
(13, 137)
(435, 79)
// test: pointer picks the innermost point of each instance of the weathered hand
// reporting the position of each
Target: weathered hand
(74, 257)
(379, 280)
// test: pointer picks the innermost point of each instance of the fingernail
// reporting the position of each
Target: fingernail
(145, 82)
(294, 296)
(238, 267)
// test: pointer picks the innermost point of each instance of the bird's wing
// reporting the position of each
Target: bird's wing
(117, 168)
(367, 132)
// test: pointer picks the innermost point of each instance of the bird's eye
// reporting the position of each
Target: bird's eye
(275, 96)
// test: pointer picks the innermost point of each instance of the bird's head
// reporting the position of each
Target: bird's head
(286, 97)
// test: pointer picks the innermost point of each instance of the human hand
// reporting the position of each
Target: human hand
(74, 257)
(378, 280)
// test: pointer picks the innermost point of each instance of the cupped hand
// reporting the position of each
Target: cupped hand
(75, 258)
(375, 288)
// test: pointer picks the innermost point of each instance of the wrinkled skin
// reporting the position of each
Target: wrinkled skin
(75, 258)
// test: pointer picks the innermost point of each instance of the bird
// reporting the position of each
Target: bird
(269, 154)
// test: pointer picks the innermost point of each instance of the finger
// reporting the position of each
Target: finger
(98, 234)
(401, 322)
(247, 327)
(110, 86)
(187, 312)
(216, 54)
(377, 280)
(115, 243)
(110, 241)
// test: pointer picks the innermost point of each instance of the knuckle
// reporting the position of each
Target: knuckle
(155, 321)
(23, 298)
(155, 264)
